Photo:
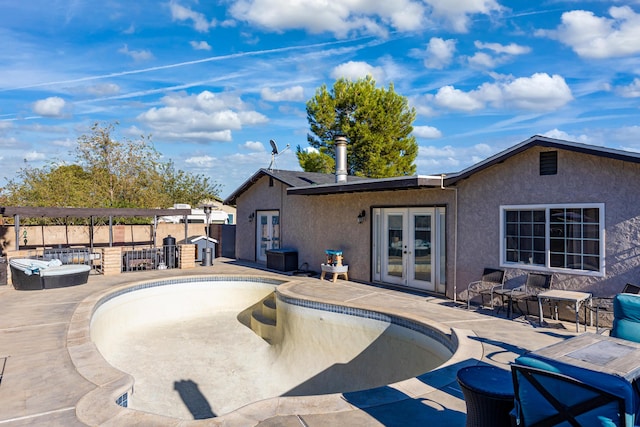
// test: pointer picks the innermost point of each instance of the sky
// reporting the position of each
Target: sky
(212, 82)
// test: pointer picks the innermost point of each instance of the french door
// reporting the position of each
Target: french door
(409, 247)
(267, 233)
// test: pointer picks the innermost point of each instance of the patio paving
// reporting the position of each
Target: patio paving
(41, 385)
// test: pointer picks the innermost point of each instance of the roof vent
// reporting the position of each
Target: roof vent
(548, 163)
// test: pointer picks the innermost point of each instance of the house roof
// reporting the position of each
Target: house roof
(444, 180)
(307, 183)
(289, 179)
(543, 141)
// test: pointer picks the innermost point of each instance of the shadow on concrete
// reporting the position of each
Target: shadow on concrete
(193, 399)
(391, 407)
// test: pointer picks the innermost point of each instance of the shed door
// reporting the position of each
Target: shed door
(267, 233)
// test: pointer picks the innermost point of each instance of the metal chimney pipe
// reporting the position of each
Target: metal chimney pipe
(341, 159)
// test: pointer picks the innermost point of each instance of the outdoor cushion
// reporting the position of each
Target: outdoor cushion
(626, 317)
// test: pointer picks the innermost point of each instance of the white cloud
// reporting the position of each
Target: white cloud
(103, 89)
(137, 55)
(433, 160)
(295, 93)
(591, 36)
(455, 99)
(34, 156)
(630, 91)
(49, 107)
(510, 49)
(500, 54)
(457, 13)
(67, 143)
(540, 92)
(439, 53)
(199, 20)
(201, 161)
(559, 134)
(427, 132)
(360, 16)
(354, 70)
(482, 60)
(254, 146)
(201, 45)
(204, 117)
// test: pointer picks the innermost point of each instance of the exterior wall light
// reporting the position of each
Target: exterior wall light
(361, 217)
(252, 215)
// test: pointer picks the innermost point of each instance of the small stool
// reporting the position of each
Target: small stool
(488, 394)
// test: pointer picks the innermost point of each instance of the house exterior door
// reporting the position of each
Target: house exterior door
(408, 247)
(267, 233)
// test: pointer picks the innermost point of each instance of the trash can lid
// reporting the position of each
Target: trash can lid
(487, 379)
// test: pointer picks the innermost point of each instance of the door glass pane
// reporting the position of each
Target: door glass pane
(422, 247)
(275, 233)
(394, 232)
(264, 236)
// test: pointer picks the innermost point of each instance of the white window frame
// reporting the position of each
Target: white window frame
(547, 208)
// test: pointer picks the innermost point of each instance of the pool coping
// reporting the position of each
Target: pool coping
(98, 407)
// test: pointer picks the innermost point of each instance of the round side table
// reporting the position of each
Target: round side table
(488, 394)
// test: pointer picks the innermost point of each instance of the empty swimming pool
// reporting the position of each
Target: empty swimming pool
(190, 347)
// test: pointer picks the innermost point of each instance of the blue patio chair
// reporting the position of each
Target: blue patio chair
(550, 393)
(626, 317)
(604, 305)
(545, 398)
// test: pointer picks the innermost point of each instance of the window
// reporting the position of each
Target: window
(554, 237)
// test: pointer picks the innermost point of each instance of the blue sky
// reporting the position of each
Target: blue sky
(213, 81)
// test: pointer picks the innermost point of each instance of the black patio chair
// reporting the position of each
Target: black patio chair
(535, 283)
(492, 280)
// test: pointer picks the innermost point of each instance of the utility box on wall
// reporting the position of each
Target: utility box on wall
(282, 259)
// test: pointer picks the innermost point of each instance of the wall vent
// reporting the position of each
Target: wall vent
(549, 163)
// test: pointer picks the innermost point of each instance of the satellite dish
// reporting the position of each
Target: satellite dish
(275, 153)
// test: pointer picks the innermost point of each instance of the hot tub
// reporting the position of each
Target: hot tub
(34, 274)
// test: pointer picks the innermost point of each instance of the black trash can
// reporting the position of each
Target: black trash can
(169, 248)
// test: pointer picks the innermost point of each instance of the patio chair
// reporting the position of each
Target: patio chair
(492, 279)
(626, 317)
(546, 397)
(535, 283)
(604, 305)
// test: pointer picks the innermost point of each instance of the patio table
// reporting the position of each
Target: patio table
(577, 298)
(596, 352)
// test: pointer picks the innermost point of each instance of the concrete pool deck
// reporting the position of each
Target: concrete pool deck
(41, 385)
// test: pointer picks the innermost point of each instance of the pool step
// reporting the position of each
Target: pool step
(263, 319)
(269, 307)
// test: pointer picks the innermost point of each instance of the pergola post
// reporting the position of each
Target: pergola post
(16, 228)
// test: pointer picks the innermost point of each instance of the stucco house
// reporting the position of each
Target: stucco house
(543, 205)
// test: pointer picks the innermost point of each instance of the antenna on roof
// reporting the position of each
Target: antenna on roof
(275, 153)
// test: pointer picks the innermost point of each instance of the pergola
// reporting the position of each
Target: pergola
(50, 212)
